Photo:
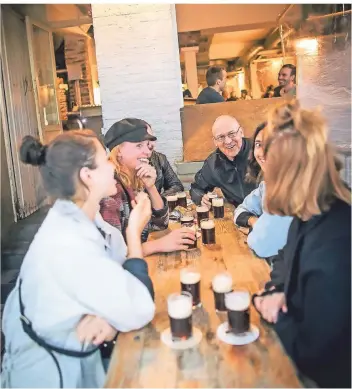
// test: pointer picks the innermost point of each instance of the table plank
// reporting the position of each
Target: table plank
(141, 360)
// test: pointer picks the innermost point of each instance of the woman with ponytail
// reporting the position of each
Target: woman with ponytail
(309, 296)
(77, 286)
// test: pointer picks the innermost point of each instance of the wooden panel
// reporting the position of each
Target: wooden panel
(197, 121)
(21, 113)
(141, 360)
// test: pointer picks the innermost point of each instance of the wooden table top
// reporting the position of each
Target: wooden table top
(141, 360)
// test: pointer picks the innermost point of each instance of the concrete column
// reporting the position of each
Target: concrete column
(190, 54)
(139, 69)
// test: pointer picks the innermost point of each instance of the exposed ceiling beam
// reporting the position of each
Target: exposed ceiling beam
(243, 27)
(84, 8)
(70, 23)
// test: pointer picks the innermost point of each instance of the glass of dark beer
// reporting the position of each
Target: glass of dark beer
(202, 213)
(172, 202)
(208, 231)
(218, 208)
(182, 199)
(190, 282)
(187, 220)
(237, 304)
(179, 307)
(211, 196)
(193, 228)
(222, 284)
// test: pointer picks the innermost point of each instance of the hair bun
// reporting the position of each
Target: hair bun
(32, 151)
(286, 115)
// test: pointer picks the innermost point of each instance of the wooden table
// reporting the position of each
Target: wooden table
(141, 360)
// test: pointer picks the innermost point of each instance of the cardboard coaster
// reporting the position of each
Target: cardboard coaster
(166, 338)
(237, 340)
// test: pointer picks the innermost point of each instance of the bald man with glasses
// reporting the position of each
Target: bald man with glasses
(226, 167)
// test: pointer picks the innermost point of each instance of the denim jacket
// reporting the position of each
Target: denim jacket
(269, 233)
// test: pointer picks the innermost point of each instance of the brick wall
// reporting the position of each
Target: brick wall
(76, 52)
(139, 69)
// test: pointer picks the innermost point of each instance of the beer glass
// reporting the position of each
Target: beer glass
(202, 213)
(218, 208)
(211, 196)
(237, 304)
(190, 282)
(182, 199)
(187, 220)
(172, 202)
(208, 231)
(179, 307)
(221, 284)
(193, 228)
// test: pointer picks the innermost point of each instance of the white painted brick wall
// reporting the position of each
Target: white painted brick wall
(139, 69)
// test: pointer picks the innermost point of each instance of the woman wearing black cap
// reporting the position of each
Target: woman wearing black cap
(128, 141)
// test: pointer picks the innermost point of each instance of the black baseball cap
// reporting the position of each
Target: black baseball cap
(127, 130)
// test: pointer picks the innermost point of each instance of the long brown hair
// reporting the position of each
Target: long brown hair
(302, 177)
(128, 179)
(254, 171)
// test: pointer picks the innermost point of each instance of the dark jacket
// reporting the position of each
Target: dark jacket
(167, 181)
(314, 271)
(209, 95)
(218, 171)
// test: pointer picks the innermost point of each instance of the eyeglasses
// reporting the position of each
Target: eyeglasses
(231, 135)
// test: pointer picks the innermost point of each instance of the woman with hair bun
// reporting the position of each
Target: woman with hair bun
(309, 296)
(78, 284)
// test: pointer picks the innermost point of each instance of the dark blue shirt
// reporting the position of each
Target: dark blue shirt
(209, 95)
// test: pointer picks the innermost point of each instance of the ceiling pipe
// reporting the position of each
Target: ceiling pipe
(277, 40)
(251, 54)
(271, 41)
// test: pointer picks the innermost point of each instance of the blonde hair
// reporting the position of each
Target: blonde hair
(302, 171)
(128, 180)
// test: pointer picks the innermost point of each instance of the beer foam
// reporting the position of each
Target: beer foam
(207, 224)
(218, 202)
(189, 277)
(171, 198)
(180, 307)
(202, 208)
(185, 219)
(212, 195)
(222, 283)
(181, 195)
(237, 301)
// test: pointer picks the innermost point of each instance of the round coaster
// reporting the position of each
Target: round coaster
(237, 340)
(166, 338)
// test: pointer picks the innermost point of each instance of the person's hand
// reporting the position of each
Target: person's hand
(206, 201)
(252, 220)
(94, 329)
(147, 174)
(270, 305)
(177, 240)
(140, 214)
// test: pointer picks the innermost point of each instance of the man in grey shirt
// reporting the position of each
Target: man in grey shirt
(216, 80)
